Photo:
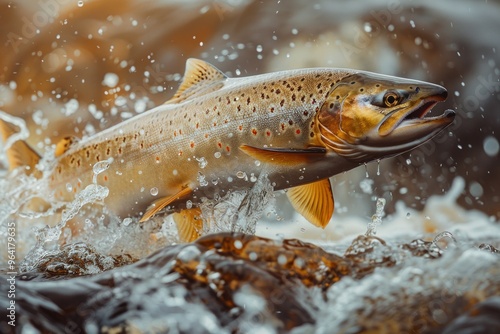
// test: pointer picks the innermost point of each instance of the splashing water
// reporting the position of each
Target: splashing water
(376, 218)
(238, 211)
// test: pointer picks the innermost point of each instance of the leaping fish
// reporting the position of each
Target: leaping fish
(299, 127)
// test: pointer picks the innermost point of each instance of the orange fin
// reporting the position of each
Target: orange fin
(64, 144)
(284, 156)
(189, 224)
(200, 78)
(19, 153)
(314, 201)
(163, 202)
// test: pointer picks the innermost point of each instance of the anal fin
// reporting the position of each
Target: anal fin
(163, 202)
(314, 201)
(189, 224)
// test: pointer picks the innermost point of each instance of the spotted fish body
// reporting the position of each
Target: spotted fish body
(219, 134)
(195, 142)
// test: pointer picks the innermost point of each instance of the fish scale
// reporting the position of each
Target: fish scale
(217, 132)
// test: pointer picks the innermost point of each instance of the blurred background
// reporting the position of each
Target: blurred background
(77, 67)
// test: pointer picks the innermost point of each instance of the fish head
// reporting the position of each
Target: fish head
(369, 116)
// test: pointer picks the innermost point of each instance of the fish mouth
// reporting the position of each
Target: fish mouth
(414, 116)
(400, 133)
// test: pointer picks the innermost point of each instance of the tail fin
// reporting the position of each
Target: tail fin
(19, 153)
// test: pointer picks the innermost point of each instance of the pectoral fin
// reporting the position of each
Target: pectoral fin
(314, 201)
(163, 202)
(189, 224)
(284, 156)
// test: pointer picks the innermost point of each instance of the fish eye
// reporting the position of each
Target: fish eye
(391, 99)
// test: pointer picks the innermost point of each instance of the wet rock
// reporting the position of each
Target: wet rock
(239, 283)
(484, 318)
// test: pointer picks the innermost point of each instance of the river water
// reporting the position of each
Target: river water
(412, 247)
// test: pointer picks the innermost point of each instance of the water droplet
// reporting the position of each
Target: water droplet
(175, 172)
(153, 191)
(201, 179)
(240, 174)
(253, 256)
(110, 80)
(127, 221)
(189, 204)
(253, 178)
(80, 3)
(491, 146)
(202, 162)
(376, 218)
(475, 189)
(69, 187)
(282, 259)
(101, 166)
(238, 244)
(378, 166)
(408, 215)
(257, 163)
(443, 240)
(217, 155)
(366, 170)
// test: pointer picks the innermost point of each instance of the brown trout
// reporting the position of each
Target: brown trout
(218, 134)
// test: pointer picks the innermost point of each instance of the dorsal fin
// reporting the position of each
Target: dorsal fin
(19, 153)
(200, 78)
(64, 144)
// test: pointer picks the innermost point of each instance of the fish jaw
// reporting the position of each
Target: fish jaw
(369, 116)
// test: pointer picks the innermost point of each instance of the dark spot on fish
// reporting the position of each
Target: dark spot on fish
(278, 91)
